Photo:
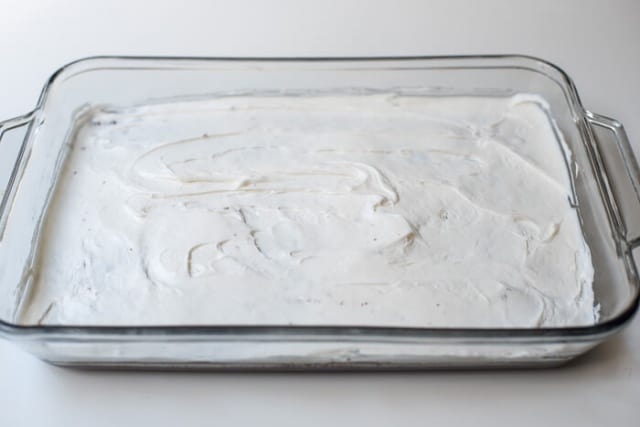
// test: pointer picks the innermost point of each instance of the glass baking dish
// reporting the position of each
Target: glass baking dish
(606, 185)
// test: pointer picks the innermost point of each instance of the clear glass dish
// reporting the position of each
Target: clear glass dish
(605, 179)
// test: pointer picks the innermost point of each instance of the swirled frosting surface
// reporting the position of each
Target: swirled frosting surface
(352, 209)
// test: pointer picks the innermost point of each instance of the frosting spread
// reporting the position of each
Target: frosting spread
(355, 209)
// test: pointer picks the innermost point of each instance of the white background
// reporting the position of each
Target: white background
(596, 42)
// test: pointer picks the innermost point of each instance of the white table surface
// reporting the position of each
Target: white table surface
(596, 42)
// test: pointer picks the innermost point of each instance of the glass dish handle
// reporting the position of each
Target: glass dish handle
(620, 174)
(13, 133)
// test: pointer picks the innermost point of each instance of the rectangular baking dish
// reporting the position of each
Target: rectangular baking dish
(606, 185)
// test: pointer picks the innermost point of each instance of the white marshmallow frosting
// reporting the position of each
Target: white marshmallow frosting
(354, 209)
